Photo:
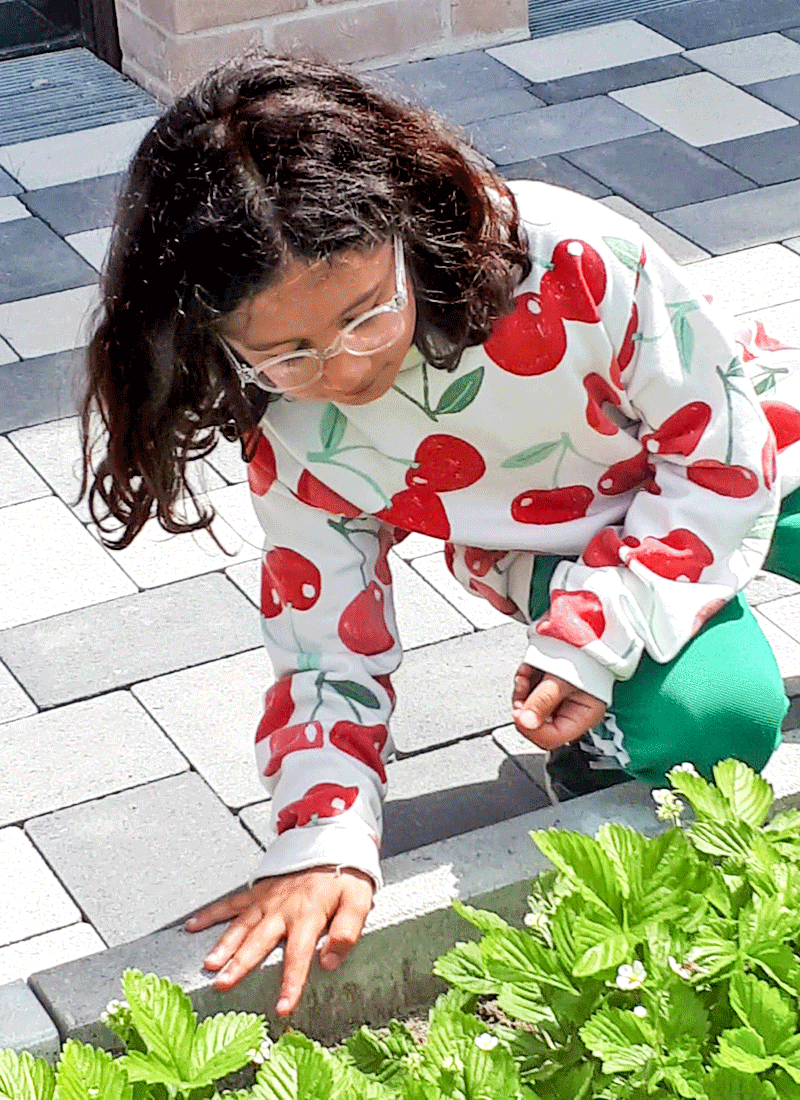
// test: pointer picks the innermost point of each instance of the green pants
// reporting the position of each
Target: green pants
(722, 696)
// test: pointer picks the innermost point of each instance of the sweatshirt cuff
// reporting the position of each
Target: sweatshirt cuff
(571, 664)
(321, 846)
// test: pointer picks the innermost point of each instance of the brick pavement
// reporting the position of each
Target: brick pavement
(130, 683)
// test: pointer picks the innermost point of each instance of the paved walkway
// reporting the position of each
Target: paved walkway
(130, 683)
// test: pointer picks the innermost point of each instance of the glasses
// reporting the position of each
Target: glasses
(373, 331)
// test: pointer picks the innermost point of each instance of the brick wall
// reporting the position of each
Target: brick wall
(167, 44)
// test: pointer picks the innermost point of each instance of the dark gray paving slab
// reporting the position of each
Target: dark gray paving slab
(783, 93)
(121, 642)
(138, 860)
(705, 22)
(556, 170)
(36, 261)
(76, 207)
(773, 157)
(557, 129)
(8, 185)
(739, 221)
(610, 80)
(34, 391)
(446, 80)
(793, 33)
(475, 108)
(658, 171)
(24, 1024)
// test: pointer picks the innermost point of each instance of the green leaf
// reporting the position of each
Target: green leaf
(374, 1056)
(460, 394)
(163, 1016)
(785, 1086)
(525, 1003)
(785, 826)
(482, 919)
(761, 1007)
(349, 689)
(730, 1084)
(23, 1077)
(463, 966)
(600, 950)
(296, 1069)
(686, 1018)
(626, 252)
(765, 385)
(531, 456)
(224, 1043)
(331, 427)
(740, 1048)
(684, 340)
(585, 862)
(725, 841)
(514, 956)
(88, 1074)
(150, 1068)
(707, 802)
(621, 1040)
(748, 795)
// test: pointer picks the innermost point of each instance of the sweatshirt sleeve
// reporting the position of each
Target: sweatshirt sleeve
(700, 525)
(328, 623)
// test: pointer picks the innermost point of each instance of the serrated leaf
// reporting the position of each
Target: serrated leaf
(740, 1048)
(296, 1069)
(725, 841)
(377, 1057)
(748, 794)
(463, 966)
(482, 919)
(687, 1017)
(88, 1074)
(707, 802)
(583, 860)
(531, 456)
(513, 956)
(525, 1003)
(332, 426)
(761, 1007)
(222, 1044)
(785, 1087)
(621, 1040)
(786, 825)
(609, 954)
(460, 393)
(349, 689)
(731, 1084)
(23, 1077)
(626, 252)
(490, 1074)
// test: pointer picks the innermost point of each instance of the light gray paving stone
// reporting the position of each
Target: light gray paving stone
(782, 322)
(92, 244)
(474, 608)
(24, 1024)
(753, 279)
(48, 323)
(7, 354)
(749, 60)
(82, 751)
(247, 578)
(20, 960)
(769, 586)
(701, 109)
(18, 479)
(33, 899)
(129, 873)
(423, 617)
(525, 754)
(783, 772)
(740, 221)
(56, 564)
(14, 703)
(415, 545)
(233, 504)
(793, 243)
(11, 209)
(474, 673)
(786, 613)
(226, 458)
(784, 646)
(126, 641)
(211, 712)
(682, 250)
(584, 51)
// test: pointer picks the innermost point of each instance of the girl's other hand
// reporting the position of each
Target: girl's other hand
(549, 711)
(295, 907)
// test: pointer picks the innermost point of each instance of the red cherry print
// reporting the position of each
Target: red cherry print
(418, 509)
(706, 613)
(640, 268)
(631, 473)
(726, 481)
(306, 735)
(680, 555)
(577, 282)
(785, 422)
(480, 561)
(628, 344)
(386, 683)
(681, 432)
(364, 743)
(552, 505)
(500, 603)
(769, 343)
(574, 617)
(744, 338)
(769, 462)
(598, 392)
(386, 541)
(261, 468)
(531, 340)
(312, 491)
(278, 708)
(322, 801)
(296, 581)
(444, 463)
(449, 556)
(604, 548)
(362, 625)
(271, 603)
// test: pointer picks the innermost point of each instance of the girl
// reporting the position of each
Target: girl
(403, 342)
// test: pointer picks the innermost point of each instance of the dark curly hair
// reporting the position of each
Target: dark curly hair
(266, 160)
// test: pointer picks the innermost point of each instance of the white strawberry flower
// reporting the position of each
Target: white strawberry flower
(486, 1041)
(668, 806)
(686, 969)
(686, 767)
(262, 1053)
(640, 1011)
(631, 975)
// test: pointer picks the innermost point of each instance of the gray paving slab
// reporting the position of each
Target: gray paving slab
(423, 617)
(247, 578)
(679, 248)
(131, 875)
(557, 129)
(555, 170)
(602, 81)
(8, 185)
(785, 612)
(773, 157)
(783, 93)
(11, 209)
(449, 79)
(36, 390)
(92, 244)
(7, 354)
(783, 771)
(414, 546)
(739, 221)
(226, 458)
(769, 586)
(82, 751)
(33, 898)
(125, 641)
(18, 479)
(76, 207)
(784, 645)
(751, 59)
(474, 608)
(21, 959)
(754, 279)
(49, 323)
(14, 703)
(506, 101)
(658, 171)
(705, 22)
(43, 263)
(24, 1024)
(780, 321)
(527, 756)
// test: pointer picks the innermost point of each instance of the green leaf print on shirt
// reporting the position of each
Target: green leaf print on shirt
(332, 426)
(458, 395)
(349, 689)
(628, 254)
(682, 330)
(531, 456)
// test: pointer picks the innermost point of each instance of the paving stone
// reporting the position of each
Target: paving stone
(476, 671)
(124, 641)
(748, 60)
(766, 158)
(48, 323)
(791, 723)
(740, 221)
(128, 873)
(14, 703)
(793, 243)
(7, 354)
(76, 207)
(423, 617)
(558, 171)
(603, 81)
(557, 129)
(524, 753)
(92, 244)
(783, 322)
(57, 565)
(18, 479)
(211, 712)
(753, 279)
(413, 546)
(479, 107)
(80, 155)
(784, 646)
(783, 94)
(447, 80)
(584, 50)
(82, 751)
(33, 899)
(658, 171)
(226, 459)
(785, 612)
(234, 506)
(8, 185)
(37, 390)
(474, 608)
(24, 1024)
(20, 960)
(683, 251)
(247, 578)
(701, 109)
(704, 22)
(783, 773)
(43, 263)
(769, 586)
(11, 209)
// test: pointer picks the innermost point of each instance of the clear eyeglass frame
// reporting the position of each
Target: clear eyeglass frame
(255, 374)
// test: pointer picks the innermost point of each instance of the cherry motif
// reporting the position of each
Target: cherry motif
(681, 432)
(480, 561)
(450, 556)
(306, 735)
(769, 343)
(278, 708)
(498, 602)
(706, 613)
(418, 509)
(261, 471)
(288, 580)
(625, 356)
(364, 743)
(531, 340)
(552, 505)
(631, 473)
(384, 679)
(312, 491)
(576, 284)
(785, 422)
(574, 617)
(604, 548)
(769, 462)
(598, 392)
(445, 463)
(324, 800)
(726, 481)
(362, 625)
(386, 541)
(680, 555)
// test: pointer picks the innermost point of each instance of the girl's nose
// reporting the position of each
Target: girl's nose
(346, 373)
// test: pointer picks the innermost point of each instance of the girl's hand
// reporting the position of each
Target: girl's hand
(295, 907)
(549, 711)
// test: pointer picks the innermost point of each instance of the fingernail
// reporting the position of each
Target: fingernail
(529, 720)
(282, 1005)
(191, 923)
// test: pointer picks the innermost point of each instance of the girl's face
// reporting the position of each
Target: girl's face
(309, 307)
